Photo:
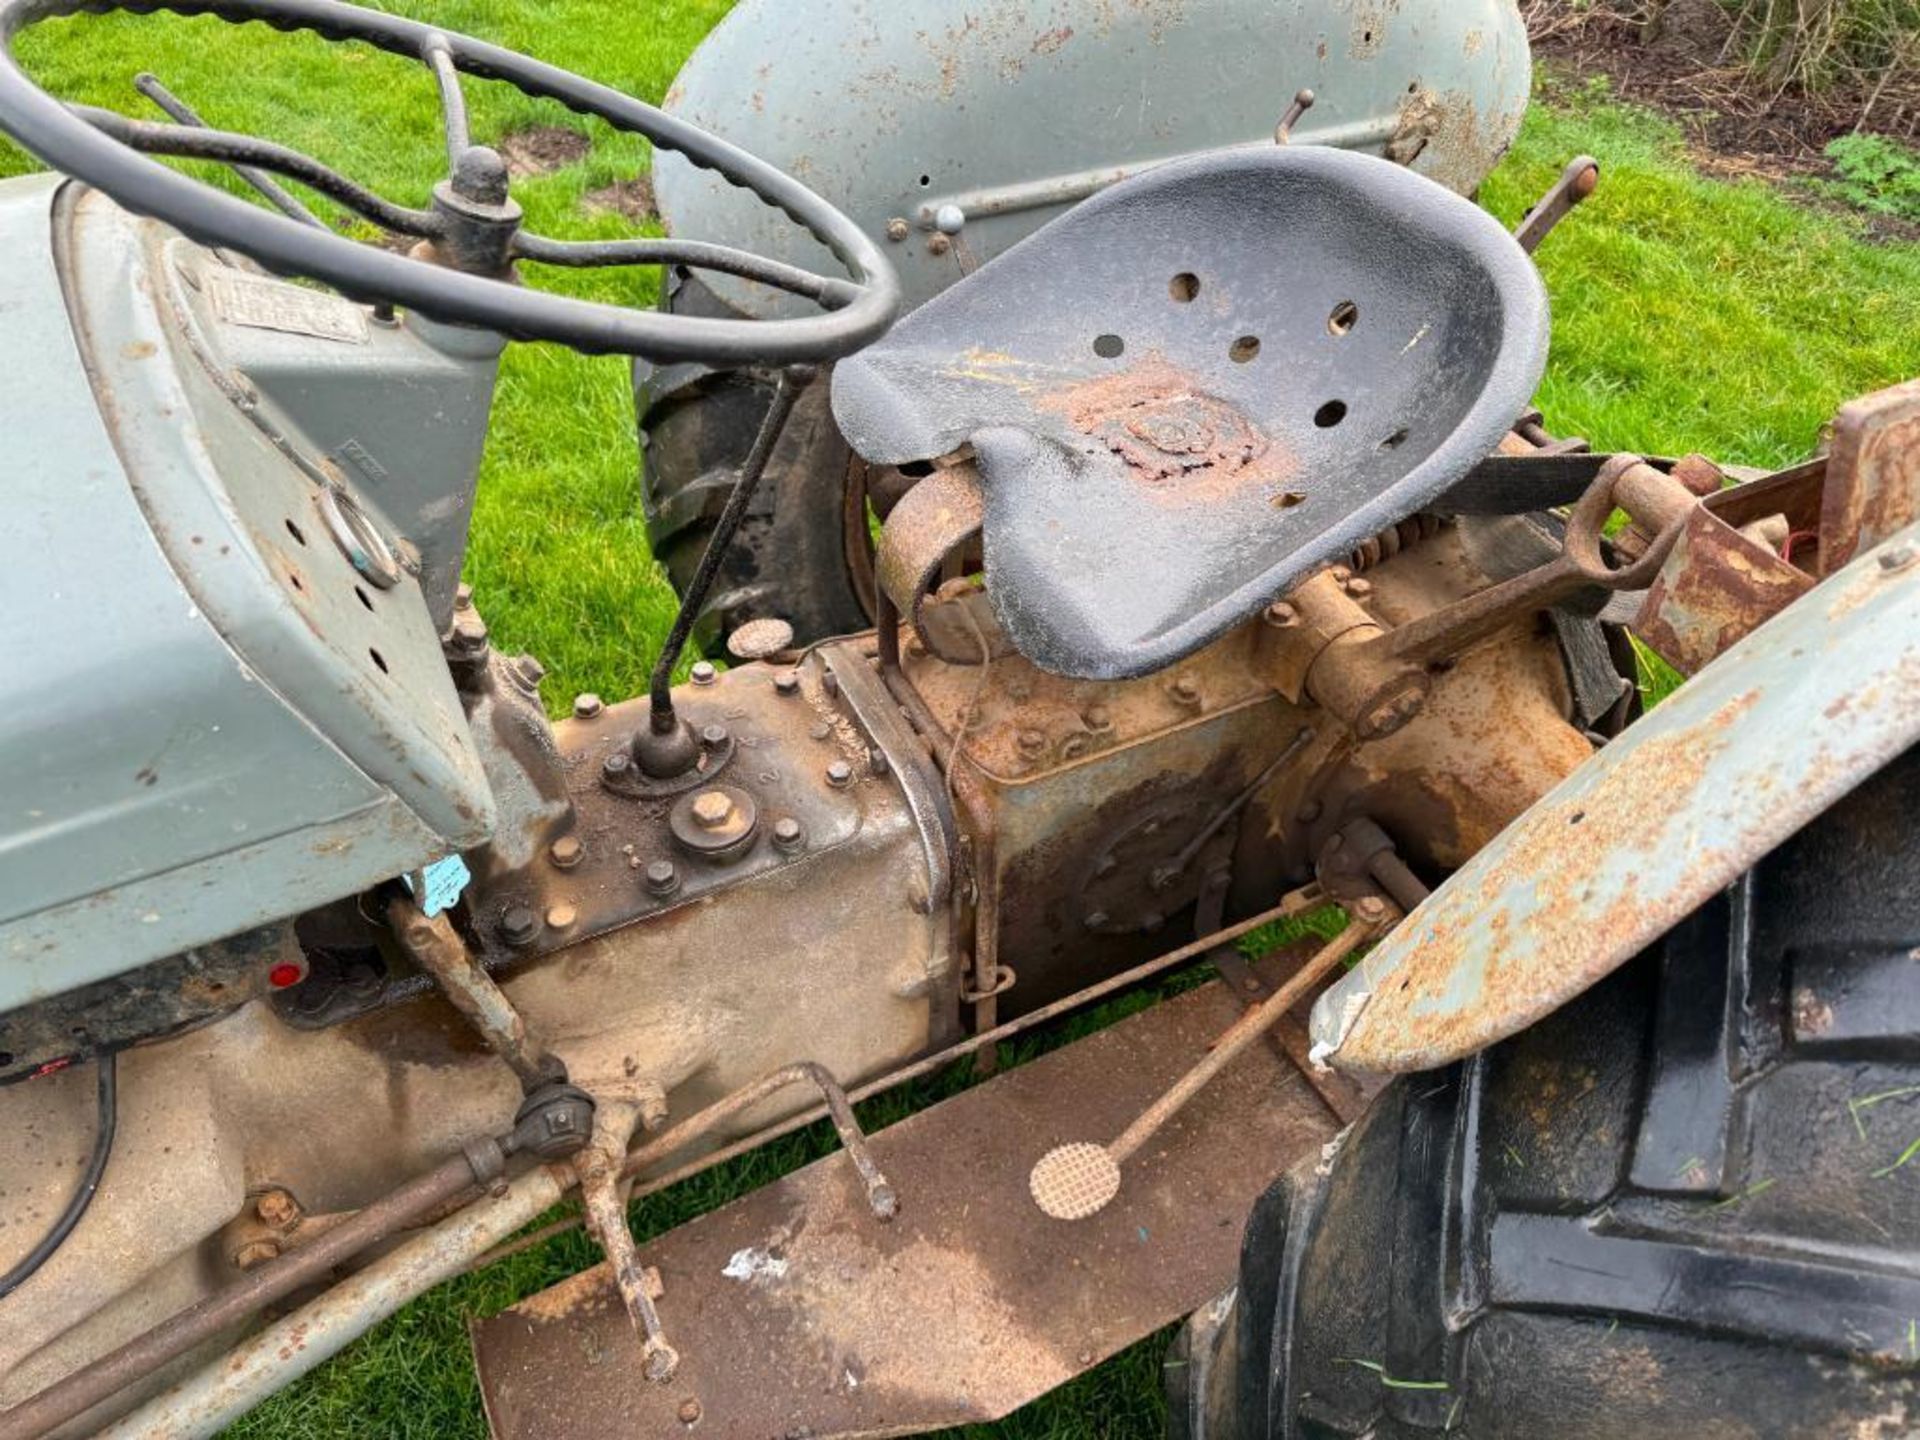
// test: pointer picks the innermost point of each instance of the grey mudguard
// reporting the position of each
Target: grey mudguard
(1005, 113)
(1203, 384)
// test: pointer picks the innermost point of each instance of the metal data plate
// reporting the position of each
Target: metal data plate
(1203, 384)
(796, 1313)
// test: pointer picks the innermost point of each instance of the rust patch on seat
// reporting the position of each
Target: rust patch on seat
(1183, 442)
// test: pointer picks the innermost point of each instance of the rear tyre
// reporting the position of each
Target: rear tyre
(789, 560)
(1685, 1204)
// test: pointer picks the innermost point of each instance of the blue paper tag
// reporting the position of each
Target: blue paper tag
(442, 882)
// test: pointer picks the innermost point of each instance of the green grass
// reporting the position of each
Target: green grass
(1690, 314)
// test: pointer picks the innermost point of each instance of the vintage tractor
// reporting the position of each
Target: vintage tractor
(1225, 578)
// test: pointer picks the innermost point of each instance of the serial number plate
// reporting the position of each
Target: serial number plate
(242, 299)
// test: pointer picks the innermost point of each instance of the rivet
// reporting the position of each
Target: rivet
(561, 917)
(786, 682)
(897, 229)
(820, 730)
(690, 1409)
(1031, 742)
(585, 707)
(702, 672)
(565, 852)
(662, 877)
(1098, 717)
(839, 774)
(1897, 559)
(1281, 615)
(1186, 689)
(1096, 919)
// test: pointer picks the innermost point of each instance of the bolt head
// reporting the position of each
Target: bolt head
(1281, 615)
(519, 925)
(714, 736)
(616, 763)
(786, 682)
(1370, 908)
(1186, 688)
(897, 229)
(1098, 717)
(702, 672)
(839, 774)
(787, 832)
(712, 809)
(1032, 742)
(565, 852)
(1359, 588)
(276, 1208)
(662, 877)
(585, 707)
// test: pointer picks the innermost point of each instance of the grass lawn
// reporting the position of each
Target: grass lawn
(1689, 315)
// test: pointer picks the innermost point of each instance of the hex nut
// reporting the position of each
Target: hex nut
(565, 852)
(519, 926)
(714, 736)
(277, 1208)
(711, 809)
(587, 706)
(839, 774)
(702, 672)
(663, 878)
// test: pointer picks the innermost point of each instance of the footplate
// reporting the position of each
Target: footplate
(796, 1314)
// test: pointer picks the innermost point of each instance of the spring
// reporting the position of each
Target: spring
(1391, 541)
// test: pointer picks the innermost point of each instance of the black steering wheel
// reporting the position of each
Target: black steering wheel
(463, 270)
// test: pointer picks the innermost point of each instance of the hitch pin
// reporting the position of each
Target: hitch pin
(1579, 180)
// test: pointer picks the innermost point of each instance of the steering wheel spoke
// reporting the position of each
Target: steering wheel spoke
(189, 142)
(438, 55)
(824, 290)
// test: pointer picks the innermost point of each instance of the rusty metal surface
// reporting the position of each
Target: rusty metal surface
(1763, 739)
(797, 1315)
(1873, 474)
(1219, 406)
(1716, 587)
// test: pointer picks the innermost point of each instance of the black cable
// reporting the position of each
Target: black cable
(89, 1183)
